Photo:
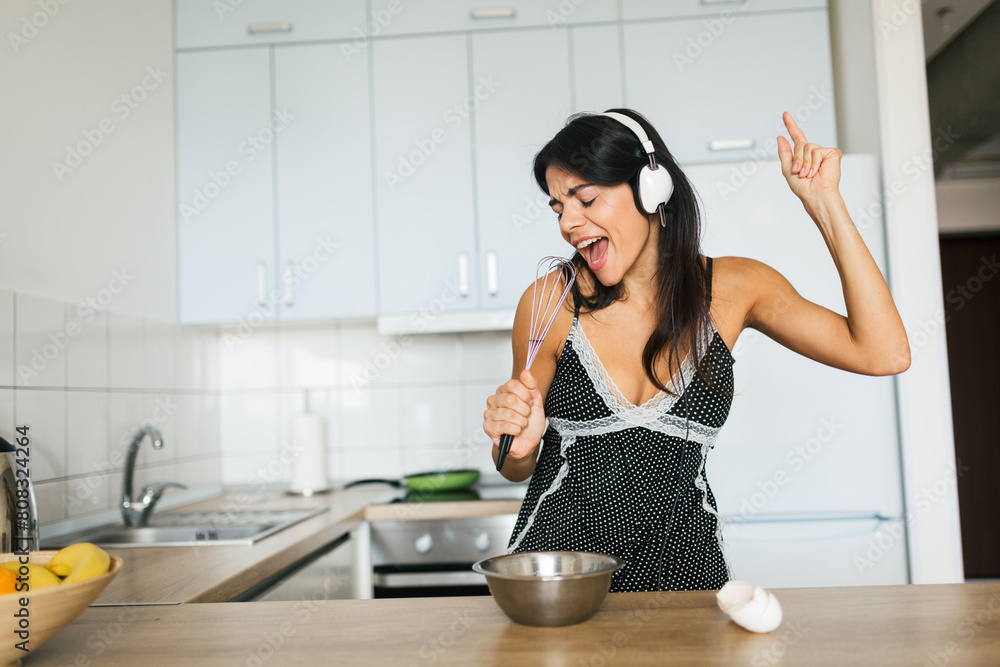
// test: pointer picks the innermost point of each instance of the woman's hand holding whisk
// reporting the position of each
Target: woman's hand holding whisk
(516, 409)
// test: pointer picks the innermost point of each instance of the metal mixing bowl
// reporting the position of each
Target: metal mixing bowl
(549, 588)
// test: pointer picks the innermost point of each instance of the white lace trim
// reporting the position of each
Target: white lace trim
(608, 390)
(672, 425)
(567, 442)
(702, 485)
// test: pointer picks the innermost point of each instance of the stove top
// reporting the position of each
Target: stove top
(502, 491)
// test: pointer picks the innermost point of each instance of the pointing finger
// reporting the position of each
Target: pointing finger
(794, 132)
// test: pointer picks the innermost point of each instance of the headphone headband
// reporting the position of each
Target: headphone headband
(655, 186)
(637, 130)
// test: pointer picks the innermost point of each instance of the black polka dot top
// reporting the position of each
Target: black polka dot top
(628, 480)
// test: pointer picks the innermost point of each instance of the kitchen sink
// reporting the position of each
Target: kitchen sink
(185, 529)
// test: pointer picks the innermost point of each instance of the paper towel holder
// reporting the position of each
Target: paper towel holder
(305, 468)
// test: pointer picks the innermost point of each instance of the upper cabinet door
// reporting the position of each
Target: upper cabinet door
(522, 106)
(650, 9)
(596, 67)
(423, 166)
(204, 23)
(326, 242)
(225, 216)
(720, 98)
(403, 17)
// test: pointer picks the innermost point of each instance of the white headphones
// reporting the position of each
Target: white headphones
(655, 184)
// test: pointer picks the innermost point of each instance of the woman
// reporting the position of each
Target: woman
(622, 469)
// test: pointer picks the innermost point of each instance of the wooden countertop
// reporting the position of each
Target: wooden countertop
(953, 624)
(169, 575)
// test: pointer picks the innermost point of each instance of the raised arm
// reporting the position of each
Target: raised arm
(871, 338)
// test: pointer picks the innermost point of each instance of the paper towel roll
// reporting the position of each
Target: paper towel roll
(309, 472)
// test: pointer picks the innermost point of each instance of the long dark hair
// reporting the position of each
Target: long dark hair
(602, 151)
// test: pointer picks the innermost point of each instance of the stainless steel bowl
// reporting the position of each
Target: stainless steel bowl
(549, 588)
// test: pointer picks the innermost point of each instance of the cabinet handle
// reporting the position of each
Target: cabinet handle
(463, 274)
(491, 273)
(274, 26)
(723, 2)
(261, 283)
(494, 13)
(730, 144)
(287, 280)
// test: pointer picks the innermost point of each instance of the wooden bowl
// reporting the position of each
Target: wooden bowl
(49, 609)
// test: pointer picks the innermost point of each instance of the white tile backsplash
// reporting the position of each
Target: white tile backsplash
(87, 438)
(43, 411)
(126, 358)
(88, 494)
(430, 358)
(367, 357)
(40, 342)
(52, 501)
(308, 356)
(248, 358)
(431, 415)
(7, 423)
(371, 463)
(6, 338)
(87, 354)
(248, 423)
(158, 351)
(487, 357)
(370, 417)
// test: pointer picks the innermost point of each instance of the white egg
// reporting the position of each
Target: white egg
(751, 607)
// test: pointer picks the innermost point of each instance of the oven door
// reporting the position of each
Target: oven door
(434, 557)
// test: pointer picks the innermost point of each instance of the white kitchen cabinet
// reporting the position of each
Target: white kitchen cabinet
(275, 195)
(225, 223)
(340, 571)
(423, 165)
(325, 232)
(204, 23)
(649, 9)
(597, 68)
(529, 105)
(403, 17)
(719, 97)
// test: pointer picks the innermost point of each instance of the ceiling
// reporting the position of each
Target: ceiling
(961, 84)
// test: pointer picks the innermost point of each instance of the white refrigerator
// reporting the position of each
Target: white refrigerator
(806, 470)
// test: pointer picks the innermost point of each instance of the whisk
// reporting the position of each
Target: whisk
(546, 301)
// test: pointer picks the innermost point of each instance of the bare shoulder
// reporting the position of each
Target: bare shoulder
(736, 285)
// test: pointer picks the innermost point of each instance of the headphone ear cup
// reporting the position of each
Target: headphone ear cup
(655, 188)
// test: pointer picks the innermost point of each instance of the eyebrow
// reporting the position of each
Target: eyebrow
(572, 191)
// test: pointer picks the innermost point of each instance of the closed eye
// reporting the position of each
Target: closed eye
(586, 204)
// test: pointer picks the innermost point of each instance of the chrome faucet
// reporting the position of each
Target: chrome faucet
(137, 512)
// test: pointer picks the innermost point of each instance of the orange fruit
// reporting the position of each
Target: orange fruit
(7, 581)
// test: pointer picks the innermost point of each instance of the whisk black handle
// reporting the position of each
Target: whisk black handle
(505, 442)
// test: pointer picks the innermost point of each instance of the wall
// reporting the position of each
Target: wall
(969, 205)
(88, 257)
(393, 405)
(67, 230)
